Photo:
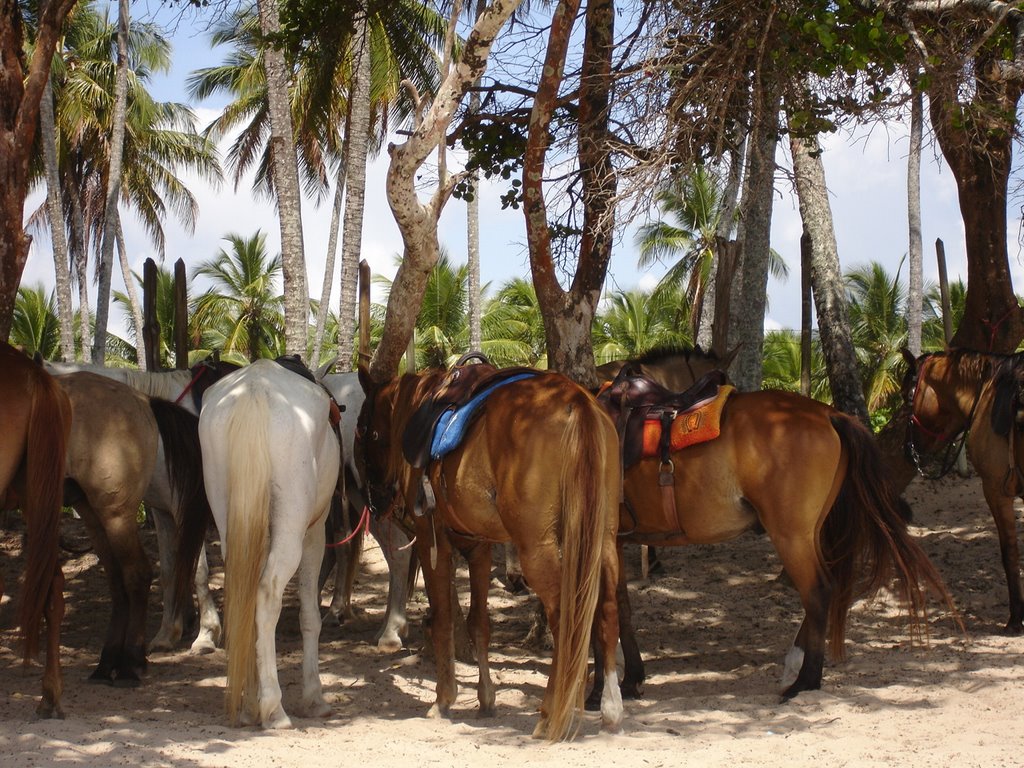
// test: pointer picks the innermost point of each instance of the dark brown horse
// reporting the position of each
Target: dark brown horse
(961, 396)
(537, 467)
(808, 475)
(674, 367)
(36, 418)
(116, 438)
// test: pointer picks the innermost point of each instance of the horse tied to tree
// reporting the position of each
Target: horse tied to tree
(521, 456)
(36, 418)
(706, 465)
(962, 397)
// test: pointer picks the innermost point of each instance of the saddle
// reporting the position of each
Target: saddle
(438, 426)
(1008, 395)
(653, 421)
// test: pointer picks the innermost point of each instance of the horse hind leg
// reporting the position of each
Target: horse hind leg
(1004, 516)
(805, 660)
(479, 623)
(209, 620)
(171, 624)
(313, 702)
(53, 677)
(401, 576)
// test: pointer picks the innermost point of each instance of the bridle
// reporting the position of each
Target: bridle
(954, 441)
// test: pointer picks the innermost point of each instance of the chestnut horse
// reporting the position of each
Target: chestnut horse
(960, 396)
(36, 418)
(537, 467)
(117, 438)
(808, 475)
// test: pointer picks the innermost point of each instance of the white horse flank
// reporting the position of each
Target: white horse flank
(271, 463)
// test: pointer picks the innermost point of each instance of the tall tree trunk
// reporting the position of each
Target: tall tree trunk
(915, 251)
(977, 142)
(568, 315)
(134, 305)
(22, 82)
(473, 236)
(332, 247)
(827, 280)
(417, 221)
(355, 197)
(118, 119)
(58, 233)
(747, 318)
(286, 184)
(80, 256)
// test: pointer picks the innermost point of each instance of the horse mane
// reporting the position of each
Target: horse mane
(167, 385)
(665, 351)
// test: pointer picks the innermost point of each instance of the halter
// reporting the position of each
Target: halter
(953, 445)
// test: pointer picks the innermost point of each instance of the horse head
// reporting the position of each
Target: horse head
(373, 442)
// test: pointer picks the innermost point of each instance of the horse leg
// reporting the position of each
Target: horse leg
(344, 559)
(607, 624)
(398, 553)
(437, 575)
(634, 674)
(113, 645)
(806, 659)
(1005, 519)
(171, 625)
(282, 562)
(313, 703)
(53, 678)
(479, 559)
(137, 574)
(209, 620)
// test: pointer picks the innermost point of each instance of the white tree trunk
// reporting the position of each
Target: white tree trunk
(355, 198)
(330, 257)
(286, 183)
(120, 114)
(133, 298)
(55, 213)
(915, 253)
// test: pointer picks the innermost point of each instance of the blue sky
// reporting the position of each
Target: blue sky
(866, 173)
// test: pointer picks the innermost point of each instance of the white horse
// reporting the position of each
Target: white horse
(271, 462)
(173, 386)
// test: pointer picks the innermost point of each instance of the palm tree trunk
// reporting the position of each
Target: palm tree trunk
(355, 198)
(286, 184)
(748, 318)
(80, 255)
(61, 262)
(915, 291)
(827, 280)
(332, 248)
(133, 298)
(106, 262)
(473, 235)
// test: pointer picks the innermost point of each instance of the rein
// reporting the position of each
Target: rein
(364, 522)
(201, 370)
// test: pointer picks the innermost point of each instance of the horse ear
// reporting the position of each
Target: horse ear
(364, 378)
(728, 357)
(324, 369)
(908, 356)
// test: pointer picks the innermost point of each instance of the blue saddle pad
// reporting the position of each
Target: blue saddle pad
(452, 424)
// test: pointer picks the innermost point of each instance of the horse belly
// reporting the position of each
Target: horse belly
(465, 490)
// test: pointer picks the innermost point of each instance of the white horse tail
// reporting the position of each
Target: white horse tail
(247, 544)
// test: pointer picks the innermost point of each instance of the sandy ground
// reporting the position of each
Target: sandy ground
(714, 629)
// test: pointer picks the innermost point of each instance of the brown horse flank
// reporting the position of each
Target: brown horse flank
(812, 478)
(537, 467)
(36, 419)
(116, 438)
(962, 396)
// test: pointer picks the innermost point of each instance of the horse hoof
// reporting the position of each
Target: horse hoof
(1013, 628)
(280, 723)
(127, 681)
(389, 643)
(202, 647)
(437, 712)
(593, 702)
(101, 677)
(319, 709)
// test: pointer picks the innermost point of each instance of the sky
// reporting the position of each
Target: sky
(865, 171)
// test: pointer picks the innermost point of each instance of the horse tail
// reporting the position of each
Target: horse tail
(865, 543)
(247, 541)
(585, 514)
(183, 458)
(49, 426)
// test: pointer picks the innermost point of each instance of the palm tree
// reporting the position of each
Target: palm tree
(633, 322)
(242, 313)
(512, 327)
(781, 365)
(35, 327)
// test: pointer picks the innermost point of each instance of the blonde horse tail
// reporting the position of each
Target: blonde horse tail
(248, 533)
(585, 514)
(865, 543)
(49, 426)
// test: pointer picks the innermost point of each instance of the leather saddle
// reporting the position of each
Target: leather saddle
(1008, 395)
(454, 403)
(633, 399)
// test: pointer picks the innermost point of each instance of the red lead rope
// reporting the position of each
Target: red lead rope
(364, 522)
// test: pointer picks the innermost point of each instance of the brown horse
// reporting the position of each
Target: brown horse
(674, 367)
(116, 438)
(962, 396)
(537, 467)
(36, 418)
(809, 476)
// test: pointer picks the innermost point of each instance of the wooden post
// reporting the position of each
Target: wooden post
(364, 315)
(150, 325)
(805, 314)
(180, 317)
(947, 318)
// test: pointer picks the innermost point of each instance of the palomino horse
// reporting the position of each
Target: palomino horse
(36, 418)
(271, 461)
(537, 467)
(962, 396)
(117, 437)
(183, 388)
(808, 475)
